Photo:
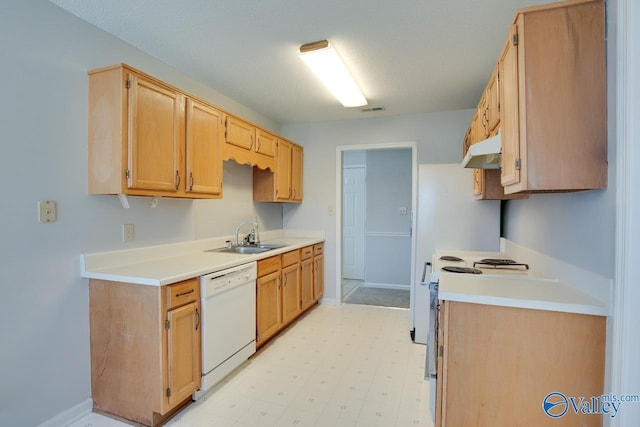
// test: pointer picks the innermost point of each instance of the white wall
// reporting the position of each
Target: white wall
(439, 138)
(46, 53)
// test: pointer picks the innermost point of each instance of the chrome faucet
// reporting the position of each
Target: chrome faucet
(253, 238)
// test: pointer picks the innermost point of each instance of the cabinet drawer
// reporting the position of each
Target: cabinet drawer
(182, 293)
(289, 258)
(268, 265)
(306, 252)
(318, 249)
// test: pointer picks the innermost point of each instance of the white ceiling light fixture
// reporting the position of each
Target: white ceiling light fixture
(325, 63)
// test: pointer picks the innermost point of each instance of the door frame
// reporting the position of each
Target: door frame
(413, 146)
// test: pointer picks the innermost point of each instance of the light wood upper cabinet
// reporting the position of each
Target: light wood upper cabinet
(496, 364)
(492, 101)
(283, 170)
(247, 144)
(240, 133)
(297, 160)
(141, 138)
(266, 143)
(285, 183)
(486, 182)
(156, 135)
(554, 115)
(509, 116)
(145, 348)
(205, 133)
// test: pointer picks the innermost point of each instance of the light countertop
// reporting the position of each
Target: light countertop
(165, 264)
(515, 289)
(538, 294)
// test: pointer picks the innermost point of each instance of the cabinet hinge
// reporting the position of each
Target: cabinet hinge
(168, 392)
(515, 39)
(518, 164)
(441, 351)
(127, 84)
(167, 325)
(126, 174)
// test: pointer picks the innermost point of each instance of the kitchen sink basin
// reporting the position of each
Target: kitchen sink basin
(248, 249)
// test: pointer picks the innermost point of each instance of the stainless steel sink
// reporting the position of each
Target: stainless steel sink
(248, 249)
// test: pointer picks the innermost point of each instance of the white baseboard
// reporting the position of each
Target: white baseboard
(70, 415)
(385, 286)
(328, 301)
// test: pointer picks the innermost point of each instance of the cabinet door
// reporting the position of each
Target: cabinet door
(296, 173)
(493, 103)
(306, 283)
(318, 276)
(239, 133)
(283, 170)
(204, 132)
(478, 182)
(183, 353)
(155, 135)
(509, 110)
(290, 292)
(268, 306)
(265, 143)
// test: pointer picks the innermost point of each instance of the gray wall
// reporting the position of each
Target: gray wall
(46, 53)
(388, 239)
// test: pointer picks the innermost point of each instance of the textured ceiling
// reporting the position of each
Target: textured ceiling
(409, 56)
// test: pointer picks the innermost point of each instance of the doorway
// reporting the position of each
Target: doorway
(376, 198)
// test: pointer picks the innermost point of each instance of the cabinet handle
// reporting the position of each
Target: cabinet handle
(198, 319)
(257, 144)
(184, 293)
(178, 180)
(191, 178)
(251, 144)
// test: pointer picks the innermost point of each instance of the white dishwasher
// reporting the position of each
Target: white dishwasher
(228, 299)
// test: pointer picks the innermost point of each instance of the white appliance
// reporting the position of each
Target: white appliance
(228, 300)
(449, 217)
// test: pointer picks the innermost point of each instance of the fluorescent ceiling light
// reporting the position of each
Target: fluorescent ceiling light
(325, 63)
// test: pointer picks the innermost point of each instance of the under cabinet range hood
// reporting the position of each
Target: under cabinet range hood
(484, 154)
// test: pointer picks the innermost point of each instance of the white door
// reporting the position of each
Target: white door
(353, 205)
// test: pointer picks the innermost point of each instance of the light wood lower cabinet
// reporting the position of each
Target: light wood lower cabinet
(497, 364)
(318, 271)
(269, 299)
(306, 278)
(145, 348)
(290, 285)
(287, 286)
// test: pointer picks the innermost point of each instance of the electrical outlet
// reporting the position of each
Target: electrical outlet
(47, 211)
(402, 211)
(128, 233)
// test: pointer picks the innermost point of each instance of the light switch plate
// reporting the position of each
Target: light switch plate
(47, 211)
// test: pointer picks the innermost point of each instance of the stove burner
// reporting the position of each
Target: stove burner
(456, 269)
(501, 263)
(451, 258)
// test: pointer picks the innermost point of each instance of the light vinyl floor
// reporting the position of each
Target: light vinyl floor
(350, 365)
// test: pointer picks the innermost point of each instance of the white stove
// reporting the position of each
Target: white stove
(485, 264)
